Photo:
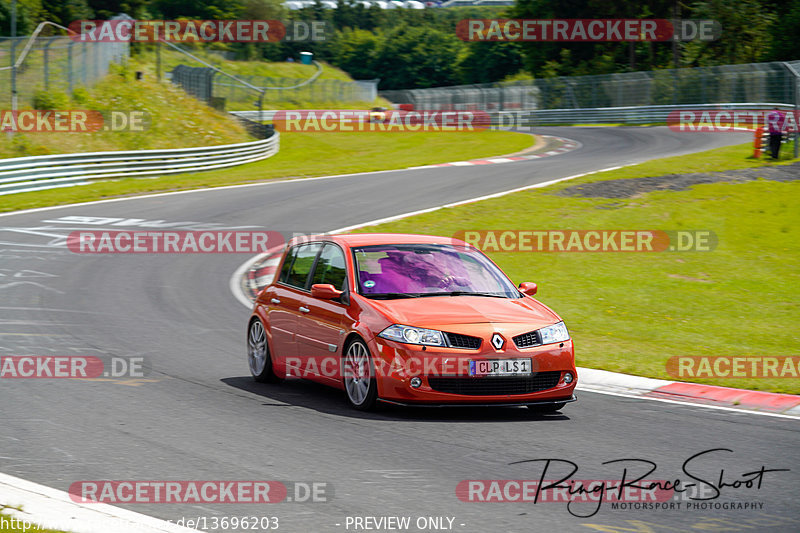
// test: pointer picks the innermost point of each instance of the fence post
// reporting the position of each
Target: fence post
(796, 79)
(13, 74)
(83, 64)
(47, 64)
(69, 66)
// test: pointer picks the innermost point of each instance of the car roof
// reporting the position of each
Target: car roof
(368, 239)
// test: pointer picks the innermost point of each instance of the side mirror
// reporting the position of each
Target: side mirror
(325, 291)
(528, 288)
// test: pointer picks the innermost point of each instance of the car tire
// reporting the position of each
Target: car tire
(358, 376)
(258, 357)
(549, 408)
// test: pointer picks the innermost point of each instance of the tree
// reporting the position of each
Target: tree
(65, 11)
(785, 33)
(489, 61)
(355, 52)
(745, 32)
(417, 57)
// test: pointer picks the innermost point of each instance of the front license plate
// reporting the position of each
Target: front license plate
(500, 367)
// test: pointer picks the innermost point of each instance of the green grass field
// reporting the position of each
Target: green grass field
(302, 155)
(630, 312)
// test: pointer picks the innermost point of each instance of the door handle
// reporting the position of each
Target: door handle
(275, 301)
(305, 310)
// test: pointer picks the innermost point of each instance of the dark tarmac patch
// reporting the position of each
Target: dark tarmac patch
(628, 188)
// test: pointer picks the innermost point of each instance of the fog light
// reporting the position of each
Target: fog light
(415, 383)
(568, 378)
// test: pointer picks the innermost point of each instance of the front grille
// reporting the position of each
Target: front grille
(495, 386)
(456, 340)
(527, 340)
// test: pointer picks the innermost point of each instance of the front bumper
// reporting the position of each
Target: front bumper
(572, 398)
(445, 379)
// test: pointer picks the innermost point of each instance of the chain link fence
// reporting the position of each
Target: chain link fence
(754, 82)
(55, 63)
(226, 93)
(319, 91)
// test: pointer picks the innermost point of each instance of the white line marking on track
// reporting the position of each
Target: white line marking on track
(685, 404)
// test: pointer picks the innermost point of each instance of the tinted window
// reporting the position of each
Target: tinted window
(429, 269)
(330, 267)
(287, 265)
(303, 261)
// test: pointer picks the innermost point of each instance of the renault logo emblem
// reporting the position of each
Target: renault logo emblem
(498, 341)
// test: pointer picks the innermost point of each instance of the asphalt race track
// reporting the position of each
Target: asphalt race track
(198, 415)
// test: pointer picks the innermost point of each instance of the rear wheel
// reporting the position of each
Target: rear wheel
(547, 408)
(258, 357)
(359, 376)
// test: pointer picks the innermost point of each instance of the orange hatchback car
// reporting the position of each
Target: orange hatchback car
(409, 320)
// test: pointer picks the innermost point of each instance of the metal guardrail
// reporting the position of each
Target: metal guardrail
(613, 115)
(603, 115)
(266, 115)
(24, 174)
(633, 115)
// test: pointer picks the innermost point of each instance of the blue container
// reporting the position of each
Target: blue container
(306, 57)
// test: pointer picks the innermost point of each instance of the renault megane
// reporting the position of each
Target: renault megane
(410, 320)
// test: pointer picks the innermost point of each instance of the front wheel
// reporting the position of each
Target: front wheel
(359, 376)
(258, 357)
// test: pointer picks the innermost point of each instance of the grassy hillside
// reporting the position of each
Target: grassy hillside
(175, 119)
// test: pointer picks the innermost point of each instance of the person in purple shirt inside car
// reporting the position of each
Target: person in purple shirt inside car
(776, 122)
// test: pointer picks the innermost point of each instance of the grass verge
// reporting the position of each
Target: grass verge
(631, 312)
(302, 155)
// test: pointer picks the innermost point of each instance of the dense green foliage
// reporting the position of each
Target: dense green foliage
(419, 48)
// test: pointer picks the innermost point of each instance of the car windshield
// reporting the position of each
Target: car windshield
(419, 270)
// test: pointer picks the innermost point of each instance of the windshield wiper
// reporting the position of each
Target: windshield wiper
(390, 295)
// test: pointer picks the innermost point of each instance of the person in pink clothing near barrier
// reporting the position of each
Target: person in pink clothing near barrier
(776, 122)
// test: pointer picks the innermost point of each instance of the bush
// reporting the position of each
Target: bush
(81, 96)
(50, 100)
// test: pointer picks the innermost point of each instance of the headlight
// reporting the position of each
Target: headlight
(410, 335)
(555, 333)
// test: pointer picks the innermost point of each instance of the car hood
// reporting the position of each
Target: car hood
(441, 310)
